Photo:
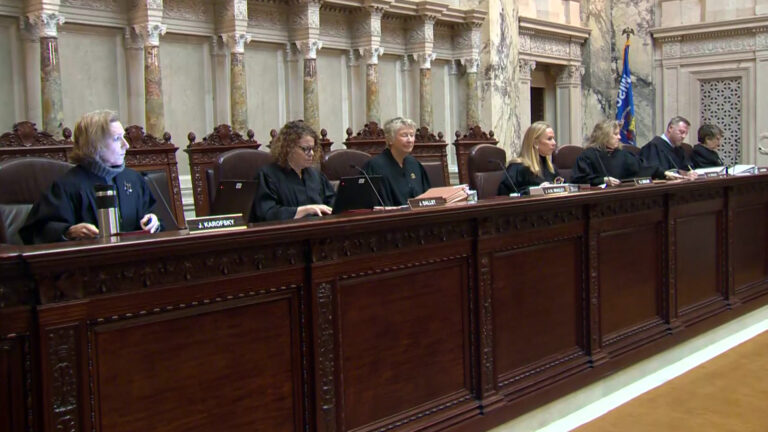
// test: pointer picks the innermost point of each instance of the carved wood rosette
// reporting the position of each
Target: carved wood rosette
(61, 347)
(370, 139)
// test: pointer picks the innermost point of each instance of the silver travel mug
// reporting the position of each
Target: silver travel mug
(107, 211)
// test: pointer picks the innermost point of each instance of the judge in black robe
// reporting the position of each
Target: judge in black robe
(67, 211)
(666, 151)
(403, 177)
(533, 166)
(291, 187)
(705, 152)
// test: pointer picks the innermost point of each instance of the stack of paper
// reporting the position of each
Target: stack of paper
(449, 193)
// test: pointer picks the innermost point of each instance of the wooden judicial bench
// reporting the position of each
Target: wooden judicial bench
(457, 318)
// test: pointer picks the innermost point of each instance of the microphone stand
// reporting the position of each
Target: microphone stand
(504, 169)
(160, 195)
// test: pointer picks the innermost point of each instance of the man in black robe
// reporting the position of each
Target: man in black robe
(666, 151)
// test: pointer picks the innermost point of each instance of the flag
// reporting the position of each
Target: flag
(625, 105)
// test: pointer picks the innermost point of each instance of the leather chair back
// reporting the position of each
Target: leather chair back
(564, 160)
(238, 164)
(630, 148)
(337, 163)
(485, 166)
(30, 177)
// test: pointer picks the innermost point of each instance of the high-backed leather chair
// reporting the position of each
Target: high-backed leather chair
(464, 145)
(29, 177)
(338, 163)
(156, 160)
(430, 150)
(238, 164)
(370, 139)
(203, 155)
(564, 160)
(485, 165)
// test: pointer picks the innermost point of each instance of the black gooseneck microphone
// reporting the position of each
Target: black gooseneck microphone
(503, 168)
(369, 182)
(599, 159)
(162, 200)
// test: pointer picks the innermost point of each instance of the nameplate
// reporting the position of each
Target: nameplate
(714, 174)
(643, 181)
(417, 203)
(555, 189)
(216, 223)
(762, 170)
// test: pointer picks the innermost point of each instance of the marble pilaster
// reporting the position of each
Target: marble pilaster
(569, 111)
(134, 63)
(525, 68)
(47, 24)
(237, 81)
(311, 98)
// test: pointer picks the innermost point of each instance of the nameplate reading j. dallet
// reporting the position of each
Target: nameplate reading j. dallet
(643, 181)
(417, 203)
(216, 223)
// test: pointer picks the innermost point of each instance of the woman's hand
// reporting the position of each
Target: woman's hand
(81, 231)
(611, 181)
(150, 223)
(312, 209)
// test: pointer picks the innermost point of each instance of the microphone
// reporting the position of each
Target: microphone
(151, 181)
(503, 168)
(369, 182)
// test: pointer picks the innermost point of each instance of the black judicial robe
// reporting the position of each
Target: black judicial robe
(660, 153)
(399, 183)
(71, 201)
(593, 165)
(281, 191)
(524, 178)
(703, 157)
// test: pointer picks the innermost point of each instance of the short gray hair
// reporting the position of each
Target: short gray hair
(676, 120)
(393, 125)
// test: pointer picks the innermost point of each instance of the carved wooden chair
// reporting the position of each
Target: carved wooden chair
(370, 139)
(325, 143)
(430, 150)
(26, 141)
(156, 160)
(203, 155)
(464, 144)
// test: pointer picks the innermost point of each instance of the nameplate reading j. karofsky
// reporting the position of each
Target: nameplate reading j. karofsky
(216, 223)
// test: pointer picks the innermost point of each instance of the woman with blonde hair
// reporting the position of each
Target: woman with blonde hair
(533, 166)
(403, 176)
(68, 210)
(291, 187)
(604, 162)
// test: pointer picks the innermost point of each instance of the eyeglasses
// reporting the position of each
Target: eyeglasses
(307, 150)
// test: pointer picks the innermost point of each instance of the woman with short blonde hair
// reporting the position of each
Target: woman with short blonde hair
(67, 211)
(533, 165)
(403, 177)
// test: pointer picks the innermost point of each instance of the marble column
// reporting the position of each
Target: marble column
(425, 90)
(372, 105)
(50, 72)
(134, 63)
(473, 102)
(153, 79)
(525, 68)
(569, 109)
(221, 90)
(311, 99)
(238, 88)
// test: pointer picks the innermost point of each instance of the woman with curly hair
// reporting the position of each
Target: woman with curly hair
(533, 166)
(291, 187)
